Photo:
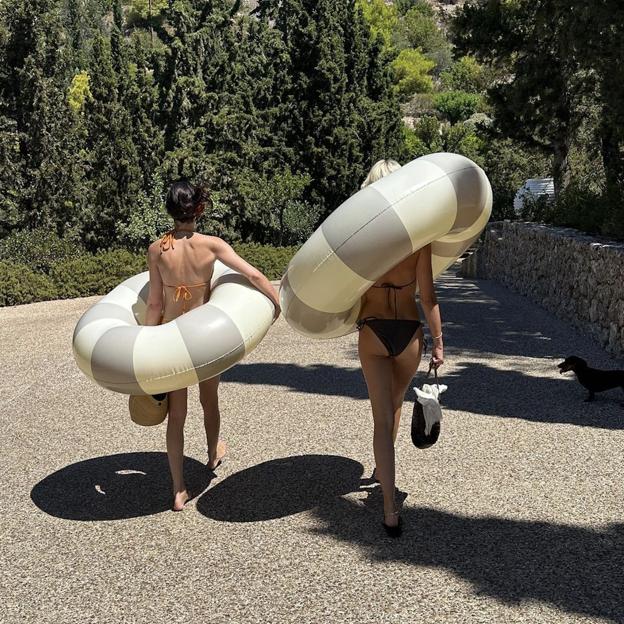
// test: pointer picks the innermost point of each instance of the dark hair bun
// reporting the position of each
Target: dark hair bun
(185, 201)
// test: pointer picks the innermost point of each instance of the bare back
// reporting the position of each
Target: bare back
(379, 301)
(186, 264)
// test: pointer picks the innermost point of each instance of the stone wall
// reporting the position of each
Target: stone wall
(578, 277)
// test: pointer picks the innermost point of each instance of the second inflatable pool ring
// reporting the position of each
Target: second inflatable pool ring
(112, 347)
(443, 199)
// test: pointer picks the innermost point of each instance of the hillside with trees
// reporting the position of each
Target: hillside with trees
(281, 106)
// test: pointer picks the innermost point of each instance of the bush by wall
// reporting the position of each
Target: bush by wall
(19, 284)
(272, 261)
(86, 274)
(95, 274)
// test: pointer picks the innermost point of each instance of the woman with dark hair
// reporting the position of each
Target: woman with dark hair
(181, 264)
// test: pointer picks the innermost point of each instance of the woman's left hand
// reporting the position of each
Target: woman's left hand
(437, 356)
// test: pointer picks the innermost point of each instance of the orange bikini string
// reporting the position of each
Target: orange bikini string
(182, 291)
(166, 242)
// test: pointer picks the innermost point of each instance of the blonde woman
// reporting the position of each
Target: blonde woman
(390, 348)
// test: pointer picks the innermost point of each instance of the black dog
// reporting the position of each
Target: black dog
(591, 378)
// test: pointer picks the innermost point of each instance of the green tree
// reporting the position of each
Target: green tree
(418, 28)
(147, 9)
(338, 113)
(412, 73)
(596, 38)
(430, 135)
(79, 91)
(382, 18)
(465, 74)
(11, 176)
(115, 180)
(34, 77)
(537, 103)
(508, 164)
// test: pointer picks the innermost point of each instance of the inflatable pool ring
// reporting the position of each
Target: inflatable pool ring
(442, 199)
(116, 351)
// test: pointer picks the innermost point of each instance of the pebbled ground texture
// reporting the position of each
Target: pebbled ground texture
(515, 516)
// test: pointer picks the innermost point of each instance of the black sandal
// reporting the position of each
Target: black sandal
(394, 531)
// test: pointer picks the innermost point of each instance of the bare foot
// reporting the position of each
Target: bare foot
(221, 452)
(179, 500)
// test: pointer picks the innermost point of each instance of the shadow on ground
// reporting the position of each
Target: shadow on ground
(280, 487)
(115, 487)
(575, 569)
(486, 318)
(480, 389)
(473, 387)
(316, 379)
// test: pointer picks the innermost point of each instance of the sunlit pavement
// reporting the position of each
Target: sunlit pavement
(514, 516)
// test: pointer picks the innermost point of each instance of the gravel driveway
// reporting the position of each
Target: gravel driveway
(514, 516)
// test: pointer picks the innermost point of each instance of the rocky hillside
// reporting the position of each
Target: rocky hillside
(444, 7)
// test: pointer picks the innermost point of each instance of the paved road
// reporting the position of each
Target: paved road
(515, 516)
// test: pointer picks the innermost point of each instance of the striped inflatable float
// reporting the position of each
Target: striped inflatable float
(442, 199)
(117, 352)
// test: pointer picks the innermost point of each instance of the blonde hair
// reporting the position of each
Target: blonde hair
(379, 170)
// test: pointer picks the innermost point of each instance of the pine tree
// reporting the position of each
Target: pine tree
(538, 104)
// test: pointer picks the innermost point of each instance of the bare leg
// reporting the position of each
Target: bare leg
(404, 368)
(208, 395)
(175, 446)
(377, 369)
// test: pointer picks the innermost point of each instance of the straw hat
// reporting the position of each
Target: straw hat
(148, 410)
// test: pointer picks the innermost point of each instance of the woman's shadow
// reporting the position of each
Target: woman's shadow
(281, 487)
(115, 487)
(130, 485)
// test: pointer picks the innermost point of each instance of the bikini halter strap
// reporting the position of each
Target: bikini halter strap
(393, 288)
(166, 242)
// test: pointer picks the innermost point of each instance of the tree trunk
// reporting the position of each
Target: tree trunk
(561, 163)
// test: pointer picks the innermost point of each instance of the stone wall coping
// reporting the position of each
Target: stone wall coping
(597, 242)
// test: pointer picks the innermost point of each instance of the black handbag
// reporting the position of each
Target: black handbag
(421, 439)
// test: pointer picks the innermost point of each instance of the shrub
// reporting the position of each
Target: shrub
(272, 261)
(458, 106)
(98, 274)
(508, 166)
(465, 74)
(411, 73)
(38, 249)
(579, 208)
(95, 274)
(19, 284)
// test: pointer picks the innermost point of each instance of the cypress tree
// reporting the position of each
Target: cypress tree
(338, 110)
(33, 88)
(115, 183)
(218, 105)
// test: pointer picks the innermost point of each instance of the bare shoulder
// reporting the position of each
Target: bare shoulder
(154, 249)
(213, 242)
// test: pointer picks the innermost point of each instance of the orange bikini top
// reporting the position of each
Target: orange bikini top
(181, 290)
